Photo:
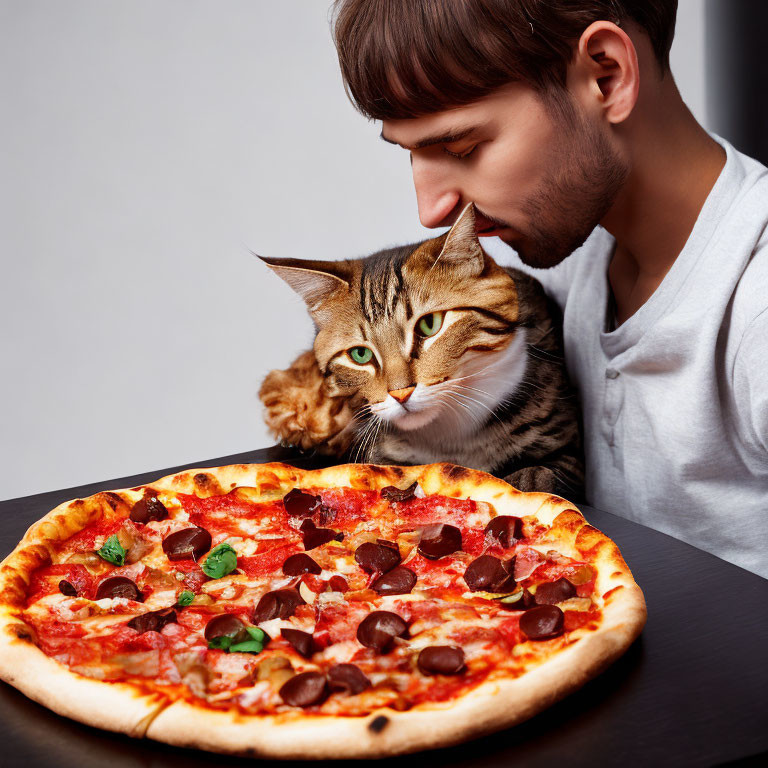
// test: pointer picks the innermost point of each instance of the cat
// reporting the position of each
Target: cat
(430, 352)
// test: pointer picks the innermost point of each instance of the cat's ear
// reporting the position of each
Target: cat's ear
(462, 247)
(314, 281)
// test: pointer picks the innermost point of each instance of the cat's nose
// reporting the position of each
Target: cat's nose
(401, 395)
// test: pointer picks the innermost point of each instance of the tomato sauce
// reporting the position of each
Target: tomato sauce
(270, 561)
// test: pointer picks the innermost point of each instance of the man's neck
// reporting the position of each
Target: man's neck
(674, 165)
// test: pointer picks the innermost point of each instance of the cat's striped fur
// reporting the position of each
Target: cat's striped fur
(488, 390)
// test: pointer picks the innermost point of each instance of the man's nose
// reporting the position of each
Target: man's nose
(437, 199)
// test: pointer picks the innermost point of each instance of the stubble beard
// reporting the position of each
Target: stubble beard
(585, 178)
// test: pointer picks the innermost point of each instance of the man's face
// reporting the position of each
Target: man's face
(541, 177)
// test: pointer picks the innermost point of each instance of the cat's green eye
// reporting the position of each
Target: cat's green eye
(430, 324)
(361, 355)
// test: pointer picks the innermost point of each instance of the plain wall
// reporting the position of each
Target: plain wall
(147, 146)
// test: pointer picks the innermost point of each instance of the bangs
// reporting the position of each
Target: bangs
(407, 59)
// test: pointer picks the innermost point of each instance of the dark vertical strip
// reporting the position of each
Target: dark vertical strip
(737, 73)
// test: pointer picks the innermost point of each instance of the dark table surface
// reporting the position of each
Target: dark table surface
(691, 691)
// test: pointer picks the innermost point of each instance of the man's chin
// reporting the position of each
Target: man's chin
(543, 254)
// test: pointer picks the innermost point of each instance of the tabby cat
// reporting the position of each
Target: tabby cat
(430, 352)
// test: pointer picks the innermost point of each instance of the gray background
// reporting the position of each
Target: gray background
(146, 147)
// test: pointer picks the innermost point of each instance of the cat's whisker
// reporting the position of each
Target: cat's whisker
(479, 402)
(363, 432)
(370, 437)
(475, 418)
(475, 389)
(450, 405)
(498, 363)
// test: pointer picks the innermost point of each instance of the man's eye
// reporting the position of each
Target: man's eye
(460, 155)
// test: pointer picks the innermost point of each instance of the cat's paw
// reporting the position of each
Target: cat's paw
(298, 412)
(541, 479)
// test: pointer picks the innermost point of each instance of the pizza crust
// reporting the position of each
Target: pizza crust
(113, 706)
(489, 707)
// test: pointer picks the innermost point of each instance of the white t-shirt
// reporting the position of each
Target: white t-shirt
(675, 400)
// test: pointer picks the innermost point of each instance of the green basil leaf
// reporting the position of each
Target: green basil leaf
(220, 643)
(258, 634)
(185, 598)
(220, 561)
(256, 645)
(113, 551)
(249, 646)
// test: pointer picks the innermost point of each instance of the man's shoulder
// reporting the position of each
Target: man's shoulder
(750, 296)
(750, 177)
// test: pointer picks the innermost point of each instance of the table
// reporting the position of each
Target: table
(691, 691)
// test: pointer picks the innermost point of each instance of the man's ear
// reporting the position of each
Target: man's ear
(461, 249)
(314, 281)
(606, 62)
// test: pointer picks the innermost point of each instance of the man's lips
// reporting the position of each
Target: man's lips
(484, 227)
(491, 231)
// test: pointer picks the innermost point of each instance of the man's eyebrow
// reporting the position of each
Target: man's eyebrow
(447, 137)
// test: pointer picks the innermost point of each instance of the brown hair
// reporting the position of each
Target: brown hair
(406, 58)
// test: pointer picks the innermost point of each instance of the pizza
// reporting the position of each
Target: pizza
(352, 611)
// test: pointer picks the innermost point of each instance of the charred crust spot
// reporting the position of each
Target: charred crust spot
(202, 480)
(385, 472)
(77, 504)
(455, 472)
(378, 724)
(113, 499)
(22, 633)
(609, 594)
(615, 574)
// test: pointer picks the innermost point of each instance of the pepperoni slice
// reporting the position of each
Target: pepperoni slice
(304, 689)
(399, 581)
(303, 642)
(154, 621)
(391, 493)
(440, 660)
(347, 678)
(439, 540)
(542, 622)
(338, 584)
(279, 604)
(552, 592)
(119, 586)
(67, 589)
(148, 509)
(300, 504)
(226, 625)
(488, 573)
(504, 530)
(187, 544)
(315, 537)
(379, 629)
(377, 558)
(300, 563)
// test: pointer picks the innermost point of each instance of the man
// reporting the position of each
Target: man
(562, 122)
